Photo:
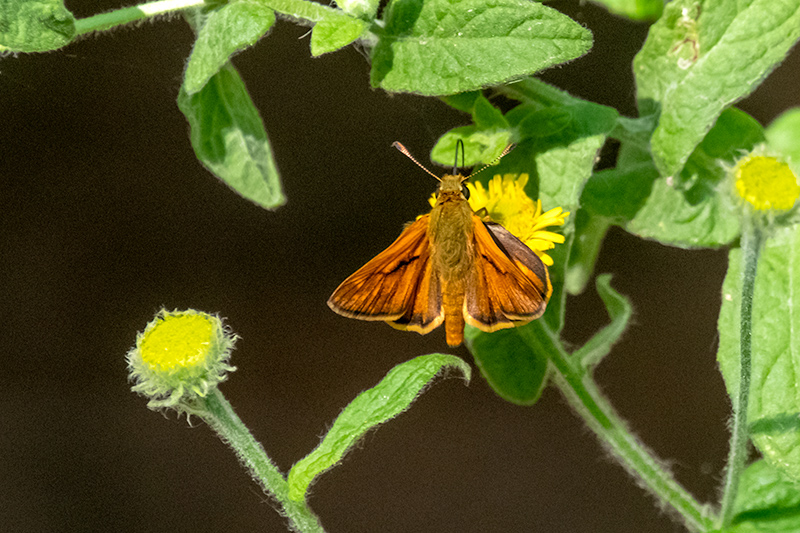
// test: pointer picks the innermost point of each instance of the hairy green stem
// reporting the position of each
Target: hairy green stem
(219, 415)
(752, 237)
(302, 12)
(581, 392)
(126, 15)
(588, 238)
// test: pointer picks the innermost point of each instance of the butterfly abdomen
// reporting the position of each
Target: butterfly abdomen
(453, 305)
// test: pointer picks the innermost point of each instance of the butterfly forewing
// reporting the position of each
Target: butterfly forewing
(395, 285)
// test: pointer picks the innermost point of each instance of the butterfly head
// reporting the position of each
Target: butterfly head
(452, 186)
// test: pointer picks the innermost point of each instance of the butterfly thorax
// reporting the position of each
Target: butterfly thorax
(450, 231)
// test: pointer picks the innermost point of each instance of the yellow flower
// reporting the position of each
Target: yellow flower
(181, 355)
(766, 183)
(507, 204)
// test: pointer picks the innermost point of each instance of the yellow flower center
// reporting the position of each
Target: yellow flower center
(766, 183)
(178, 341)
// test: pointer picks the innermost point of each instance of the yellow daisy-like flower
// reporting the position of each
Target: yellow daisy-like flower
(766, 183)
(507, 204)
(181, 355)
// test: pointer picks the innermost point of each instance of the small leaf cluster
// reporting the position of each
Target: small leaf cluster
(435, 47)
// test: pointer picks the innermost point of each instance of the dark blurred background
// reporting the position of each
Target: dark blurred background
(107, 216)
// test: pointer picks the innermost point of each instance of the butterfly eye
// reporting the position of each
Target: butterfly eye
(465, 192)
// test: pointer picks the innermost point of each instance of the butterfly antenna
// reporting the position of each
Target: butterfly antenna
(405, 152)
(495, 161)
(455, 164)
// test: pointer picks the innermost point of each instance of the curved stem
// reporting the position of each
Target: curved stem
(600, 416)
(751, 245)
(585, 398)
(126, 15)
(219, 415)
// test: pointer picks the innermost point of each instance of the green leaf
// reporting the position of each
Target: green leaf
(483, 142)
(768, 501)
(699, 209)
(229, 138)
(669, 217)
(734, 133)
(783, 135)
(515, 371)
(333, 28)
(562, 172)
(363, 9)
(480, 146)
(486, 116)
(701, 57)
(227, 30)
(386, 400)
(619, 194)
(634, 9)
(553, 116)
(534, 123)
(774, 409)
(35, 25)
(462, 101)
(335, 31)
(439, 47)
(619, 311)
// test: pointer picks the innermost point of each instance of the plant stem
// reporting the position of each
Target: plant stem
(219, 415)
(752, 237)
(588, 238)
(583, 395)
(126, 15)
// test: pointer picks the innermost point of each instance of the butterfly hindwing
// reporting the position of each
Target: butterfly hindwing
(525, 258)
(510, 284)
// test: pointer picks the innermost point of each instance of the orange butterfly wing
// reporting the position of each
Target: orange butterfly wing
(510, 284)
(398, 285)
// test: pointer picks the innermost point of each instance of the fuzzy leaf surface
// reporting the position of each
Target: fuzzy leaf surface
(698, 208)
(440, 47)
(335, 31)
(227, 30)
(35, 25)
(365, 9)
(229, 138)
(699, 58)
(515, 370)
(767, 502)
(393, 395)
